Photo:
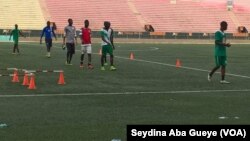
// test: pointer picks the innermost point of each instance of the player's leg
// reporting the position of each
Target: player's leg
(68, 53)
(217, 66)
(104, 53)
(14, 48)
(223, 71)
(48, 46)
(89, 52)
(223, 61)
(82, 55)
(17, 49)
(105, 61)
(111, 58)
(72, 52)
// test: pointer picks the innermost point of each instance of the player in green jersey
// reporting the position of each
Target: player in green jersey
(220, 53)
(107, 45)
(16, 32)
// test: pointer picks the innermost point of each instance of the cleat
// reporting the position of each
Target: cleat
(48, 55)
(69, 64)
(63, 47)
(81, 66)
(102, 68)
(112, 68)
(209, 78)
(14, 53)
(224, 82)
(90, 66)
(105, 64)
(66, 63)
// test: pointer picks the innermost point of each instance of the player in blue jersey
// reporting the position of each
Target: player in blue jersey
(49, 32)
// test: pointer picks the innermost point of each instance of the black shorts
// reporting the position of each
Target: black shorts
(71, 47)
(48, 43)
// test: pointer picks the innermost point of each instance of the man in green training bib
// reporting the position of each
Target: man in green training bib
(16, 32)
(220, 53)
(107, 45)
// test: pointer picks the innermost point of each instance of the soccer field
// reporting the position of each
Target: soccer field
(97, 105)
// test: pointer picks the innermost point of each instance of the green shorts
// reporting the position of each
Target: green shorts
(107, 49)
(220, 61)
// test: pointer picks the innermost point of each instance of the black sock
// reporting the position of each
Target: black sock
(68, 56)
(222, 77)
(213, 70)
(82, 57)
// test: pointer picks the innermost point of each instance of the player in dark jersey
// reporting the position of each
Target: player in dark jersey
(48, 31)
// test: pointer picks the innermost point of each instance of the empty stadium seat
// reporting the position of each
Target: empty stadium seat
(26, 13)
(189, 16)
(96, 11)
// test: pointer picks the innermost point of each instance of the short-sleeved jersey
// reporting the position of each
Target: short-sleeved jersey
(15, 33)
(48, 31)
(86, 35)
(106, 34)
(220, 50)
(70, 34)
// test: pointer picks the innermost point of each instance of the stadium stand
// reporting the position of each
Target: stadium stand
(242, 12)
(96, 11)
(26, 13)
(173, 16)
(184, 16)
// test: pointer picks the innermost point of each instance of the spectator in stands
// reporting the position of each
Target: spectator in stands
(242, 29)
(146, 27)
(48, 31)
(16, 32)
(70, 40)
(107, 45)
(220, 53)
(149, 28)
(86, 44)
(245, 30)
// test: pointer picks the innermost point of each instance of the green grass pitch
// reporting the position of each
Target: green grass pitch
(97, 105)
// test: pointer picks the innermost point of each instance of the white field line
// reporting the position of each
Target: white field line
(124, 93)
(183, 67)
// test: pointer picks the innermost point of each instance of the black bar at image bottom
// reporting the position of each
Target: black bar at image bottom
(188, 132)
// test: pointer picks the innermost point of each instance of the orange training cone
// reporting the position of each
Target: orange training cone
(32, 84)
(178, 63)
(61, 79)
(15, 78)
(25, 80)
(132, 56)
(100, 52)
